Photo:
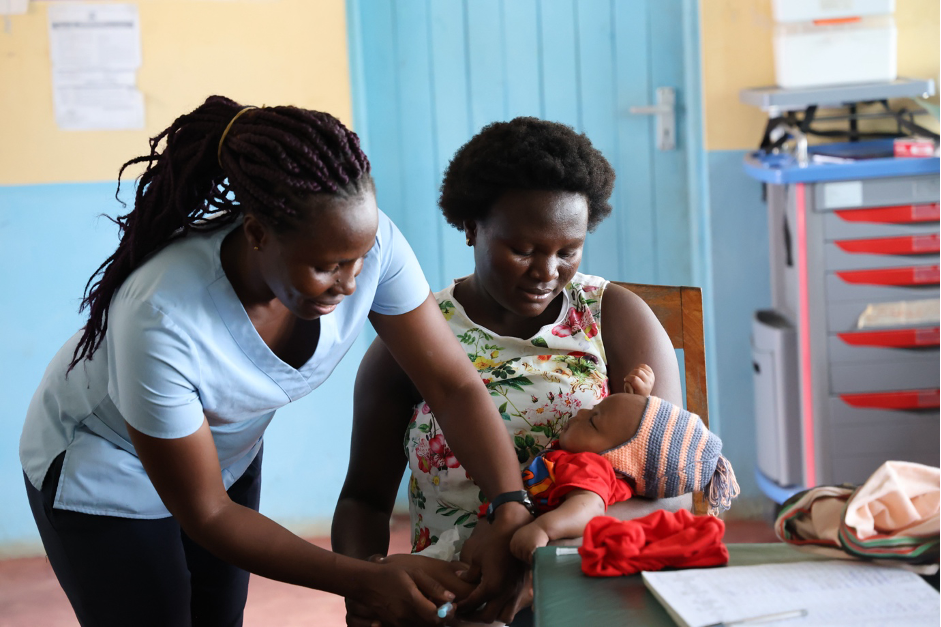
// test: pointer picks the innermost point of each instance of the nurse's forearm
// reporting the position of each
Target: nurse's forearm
(253, 542)
(185, 472)
(478, 437)
(447, 380)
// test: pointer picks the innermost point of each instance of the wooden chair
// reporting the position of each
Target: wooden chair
(679, 310)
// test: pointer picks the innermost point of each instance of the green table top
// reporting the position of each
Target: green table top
(565, 597)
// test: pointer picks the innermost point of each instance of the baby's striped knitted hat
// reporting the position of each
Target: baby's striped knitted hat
(674, 453)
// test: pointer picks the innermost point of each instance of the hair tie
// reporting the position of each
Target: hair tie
(226, 131)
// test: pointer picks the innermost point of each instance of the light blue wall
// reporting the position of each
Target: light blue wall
(738, 224)
(52, 241)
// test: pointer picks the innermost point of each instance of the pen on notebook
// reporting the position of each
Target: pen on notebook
(764, 618)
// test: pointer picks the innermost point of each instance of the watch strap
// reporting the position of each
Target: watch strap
(517, 496)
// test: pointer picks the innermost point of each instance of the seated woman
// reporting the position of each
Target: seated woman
(544, 338)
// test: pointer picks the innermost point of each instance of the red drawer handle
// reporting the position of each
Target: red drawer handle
(907, 245)
(895, 338)
(837, 20)
(899, 213)
(917, 275)
(908, 399)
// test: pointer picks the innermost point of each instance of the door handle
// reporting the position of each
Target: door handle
(665, 112)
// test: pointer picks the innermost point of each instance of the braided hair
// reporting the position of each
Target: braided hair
(268, 159)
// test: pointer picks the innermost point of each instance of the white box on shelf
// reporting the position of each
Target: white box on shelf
(809, 10)
(859, 51)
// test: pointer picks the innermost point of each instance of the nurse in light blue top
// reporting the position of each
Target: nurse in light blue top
(251, 260)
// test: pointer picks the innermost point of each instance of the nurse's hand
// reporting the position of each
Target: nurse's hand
(501, 578)
(408, 590)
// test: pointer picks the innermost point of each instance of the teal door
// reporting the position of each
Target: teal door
(428, 74)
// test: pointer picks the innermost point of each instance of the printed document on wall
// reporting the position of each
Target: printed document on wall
(13, 7)
(95, 51)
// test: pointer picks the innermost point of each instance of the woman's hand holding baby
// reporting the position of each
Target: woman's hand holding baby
(501, 577)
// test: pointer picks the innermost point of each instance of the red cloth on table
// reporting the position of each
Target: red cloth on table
(612, 547)
(555, 473)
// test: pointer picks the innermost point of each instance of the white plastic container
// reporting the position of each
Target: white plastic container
(808, 54)
(809, 10)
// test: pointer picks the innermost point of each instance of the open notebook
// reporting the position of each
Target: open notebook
(832, 592)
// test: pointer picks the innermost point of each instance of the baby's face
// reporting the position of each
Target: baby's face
(608, 424)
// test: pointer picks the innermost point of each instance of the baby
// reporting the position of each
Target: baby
(629, 443)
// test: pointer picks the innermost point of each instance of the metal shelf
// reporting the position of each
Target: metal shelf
(782, 169)
(777, 100)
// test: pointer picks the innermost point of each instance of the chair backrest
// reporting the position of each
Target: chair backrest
(679, 310)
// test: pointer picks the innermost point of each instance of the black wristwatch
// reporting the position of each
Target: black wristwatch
(519, 496)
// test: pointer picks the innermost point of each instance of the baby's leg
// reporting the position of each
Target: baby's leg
(639, 381)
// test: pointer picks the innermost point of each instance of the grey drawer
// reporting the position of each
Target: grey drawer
(843, 317)
(893, 438)
(835, 258)
(881, 221)
(841, 289)
(896, 190)
(885, 375)
(834, 227)
(843, 414)
(898, 345)
(855, 469)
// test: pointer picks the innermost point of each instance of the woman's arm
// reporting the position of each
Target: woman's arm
(632, 336)
(426, 349)
(383, 399)
(185, 471)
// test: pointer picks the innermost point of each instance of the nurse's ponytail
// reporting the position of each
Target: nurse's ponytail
(216, 162)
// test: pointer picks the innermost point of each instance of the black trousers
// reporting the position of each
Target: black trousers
(124, 571)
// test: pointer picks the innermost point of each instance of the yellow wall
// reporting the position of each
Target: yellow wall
(256, 52)
(736, 53)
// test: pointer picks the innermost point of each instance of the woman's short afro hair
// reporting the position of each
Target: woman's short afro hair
(525, 153)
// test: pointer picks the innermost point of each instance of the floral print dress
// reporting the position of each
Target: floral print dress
(537, 383)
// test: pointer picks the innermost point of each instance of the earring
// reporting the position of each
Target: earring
(468, 241)
(256, 248)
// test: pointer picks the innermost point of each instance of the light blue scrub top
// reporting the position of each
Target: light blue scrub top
(180, 347)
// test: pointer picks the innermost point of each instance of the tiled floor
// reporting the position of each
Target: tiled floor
(30, 596)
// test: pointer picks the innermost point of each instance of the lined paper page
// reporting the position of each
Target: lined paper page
(832, 592)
